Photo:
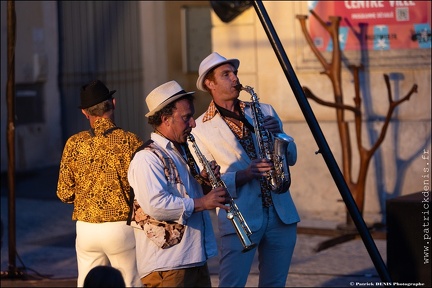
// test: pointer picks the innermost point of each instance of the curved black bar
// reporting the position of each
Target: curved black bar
(321, 141)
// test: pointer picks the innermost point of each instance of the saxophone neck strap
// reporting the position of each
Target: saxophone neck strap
(227, 113)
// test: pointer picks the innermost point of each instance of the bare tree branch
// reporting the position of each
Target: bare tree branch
(309, 94)
(333, 71)
(392, 105)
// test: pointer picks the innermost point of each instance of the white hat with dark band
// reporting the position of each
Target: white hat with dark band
(211, 62)
(163, 95)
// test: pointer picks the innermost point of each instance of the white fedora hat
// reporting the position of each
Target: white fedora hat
(210, 62)
(163, 95)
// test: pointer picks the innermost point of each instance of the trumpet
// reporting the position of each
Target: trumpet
(233, 214)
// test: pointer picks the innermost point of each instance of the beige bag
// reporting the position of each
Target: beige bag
(163, 234)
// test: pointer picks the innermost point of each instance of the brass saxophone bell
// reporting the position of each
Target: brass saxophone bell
(271, 147)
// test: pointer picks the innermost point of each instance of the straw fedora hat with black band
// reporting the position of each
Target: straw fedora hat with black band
(94, 93)
(163, 95)
(211, 62)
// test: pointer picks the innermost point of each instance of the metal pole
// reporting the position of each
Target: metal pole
(321, 141)
(10, 94)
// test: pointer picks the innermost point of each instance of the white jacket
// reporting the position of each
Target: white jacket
(217, 142)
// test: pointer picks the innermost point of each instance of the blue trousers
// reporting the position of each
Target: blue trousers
(275, 244)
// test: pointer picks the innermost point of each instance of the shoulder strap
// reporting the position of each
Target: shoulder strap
(110, 130)
(131, 192)
(146, 144)
(106, 133)
(171, 172)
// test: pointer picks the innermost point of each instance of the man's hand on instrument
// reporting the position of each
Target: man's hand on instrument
(215, 169)
(215, 198)
(271, 124)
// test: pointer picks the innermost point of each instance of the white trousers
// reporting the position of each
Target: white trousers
(108, 244)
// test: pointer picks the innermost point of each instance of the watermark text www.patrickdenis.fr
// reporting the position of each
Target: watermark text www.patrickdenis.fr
(426, 207)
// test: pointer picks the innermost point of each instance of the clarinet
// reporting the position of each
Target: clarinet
(233, 214)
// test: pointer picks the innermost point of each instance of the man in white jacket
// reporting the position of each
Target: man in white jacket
(225, 133)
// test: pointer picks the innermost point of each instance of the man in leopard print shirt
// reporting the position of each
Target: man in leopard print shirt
(93, 177)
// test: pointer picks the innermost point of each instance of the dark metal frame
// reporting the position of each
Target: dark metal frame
(324, 148)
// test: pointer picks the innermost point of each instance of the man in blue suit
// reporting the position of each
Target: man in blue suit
(225, 133)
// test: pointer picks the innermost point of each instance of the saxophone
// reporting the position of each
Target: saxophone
(273, 147)
(233, 214)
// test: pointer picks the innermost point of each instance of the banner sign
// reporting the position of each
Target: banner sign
(388, 24)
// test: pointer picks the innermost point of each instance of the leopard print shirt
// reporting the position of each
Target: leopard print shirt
(93, 172)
